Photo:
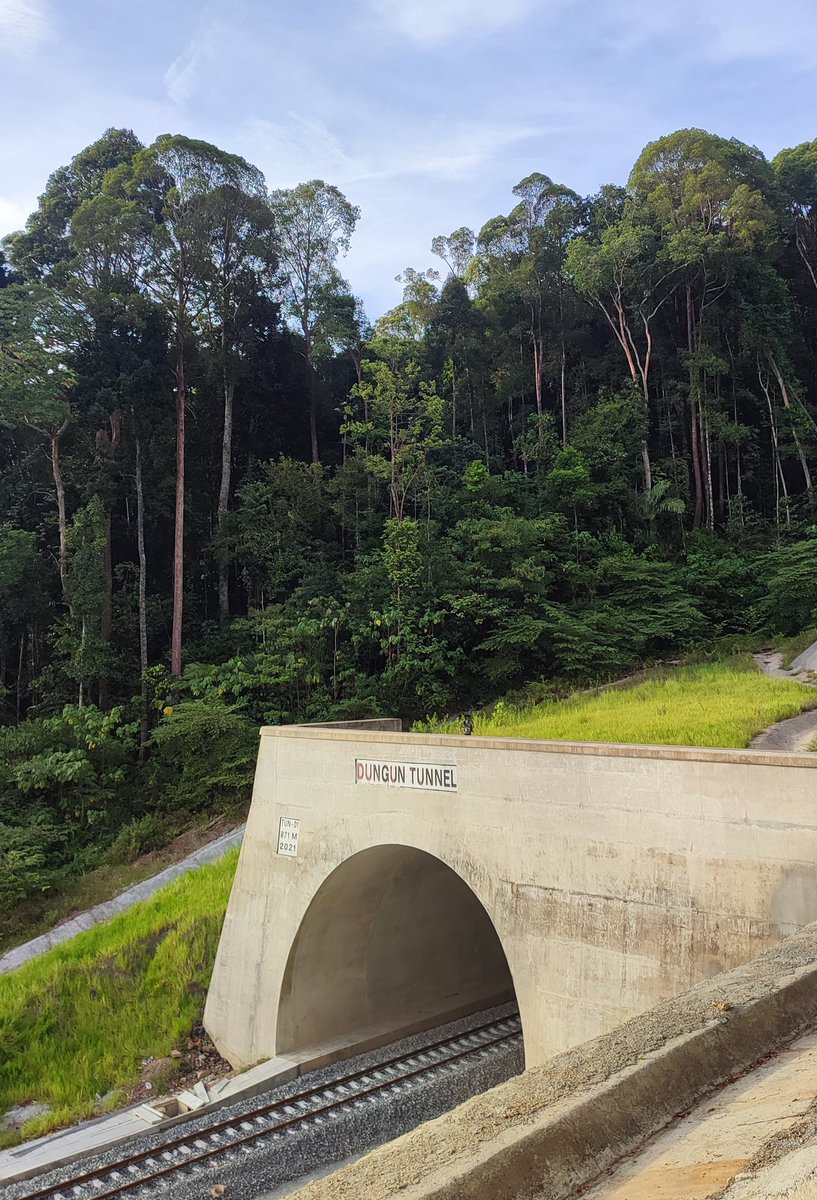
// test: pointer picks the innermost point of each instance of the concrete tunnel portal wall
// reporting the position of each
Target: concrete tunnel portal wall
(393, 938)
(386, 879)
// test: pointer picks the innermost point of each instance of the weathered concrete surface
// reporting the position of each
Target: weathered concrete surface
(110, 908)
(696, 1157)
(807, 660)
(770, 663)
(614, 876)
(793, 1178)
(795, 733)
(560, 1127)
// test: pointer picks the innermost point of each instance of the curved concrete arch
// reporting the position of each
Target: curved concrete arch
(393, 940)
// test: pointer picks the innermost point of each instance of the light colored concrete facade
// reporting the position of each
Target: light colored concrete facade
(609, 877)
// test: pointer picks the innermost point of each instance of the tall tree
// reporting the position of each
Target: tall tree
(238, 265)
(38, 337)
(710, 201)
(175, 179)
(528, 249)
(456, 250)
(620, 274)
(314, 224)
(43, 248)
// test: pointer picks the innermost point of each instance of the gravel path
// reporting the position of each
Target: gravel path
(796, 733)
(101, 912)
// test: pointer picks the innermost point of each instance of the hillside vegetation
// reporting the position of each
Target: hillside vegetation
(76, 1024)
(582, 443)
(713, 704)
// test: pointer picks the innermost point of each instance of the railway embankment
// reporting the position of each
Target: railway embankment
(561, 1126)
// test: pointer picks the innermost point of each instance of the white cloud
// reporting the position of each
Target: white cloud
(429, 22)
(182, 76)
(13, 214)
(713, 30)
(727, 31)
(185, 74)
(305, 148)
(23, 25)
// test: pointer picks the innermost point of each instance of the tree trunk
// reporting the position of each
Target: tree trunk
(710, 499)
(313, 414)
(775, 451)
(224, 494)
(563, 389)
(106, 615)
(20, 675)
(59, 486)
(143, 621)
(453, 400)
(784, 392)
(696, 464)
(537, 374)
(178, 537)
(80, 699)
(694, 424)
(738, 464)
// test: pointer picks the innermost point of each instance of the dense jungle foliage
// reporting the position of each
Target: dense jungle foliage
(583, 442)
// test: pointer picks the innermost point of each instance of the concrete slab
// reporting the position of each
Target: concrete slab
(807, 661)
(566, 1125)
(68, 1145)
(702, 1153)
(794, 1178)
(255, 1081)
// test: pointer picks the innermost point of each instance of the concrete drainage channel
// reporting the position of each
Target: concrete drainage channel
(326, 1117)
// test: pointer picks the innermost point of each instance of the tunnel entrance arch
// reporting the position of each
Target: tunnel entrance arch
(393, 941)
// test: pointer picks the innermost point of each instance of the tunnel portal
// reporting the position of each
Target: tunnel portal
(393, 941)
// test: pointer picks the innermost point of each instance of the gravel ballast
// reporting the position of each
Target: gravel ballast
(275, 1160)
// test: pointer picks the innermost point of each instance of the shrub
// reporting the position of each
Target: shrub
(204, 753)
(134, 839)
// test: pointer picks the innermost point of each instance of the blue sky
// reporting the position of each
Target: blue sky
(424, 112)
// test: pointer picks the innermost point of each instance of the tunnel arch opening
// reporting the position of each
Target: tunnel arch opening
(393, 942)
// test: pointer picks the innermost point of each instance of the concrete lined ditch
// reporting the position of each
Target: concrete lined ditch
(559, 1127)
(795, 734)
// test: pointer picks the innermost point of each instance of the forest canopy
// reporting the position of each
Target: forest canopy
(585, 439)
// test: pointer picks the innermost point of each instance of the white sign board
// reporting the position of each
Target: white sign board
(428, 777)
(288, 830)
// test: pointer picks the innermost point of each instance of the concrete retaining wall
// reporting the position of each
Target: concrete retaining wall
(614, 876)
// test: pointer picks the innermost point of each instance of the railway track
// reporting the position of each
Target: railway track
(225, 1142)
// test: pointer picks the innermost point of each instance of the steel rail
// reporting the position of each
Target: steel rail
(127, 1163)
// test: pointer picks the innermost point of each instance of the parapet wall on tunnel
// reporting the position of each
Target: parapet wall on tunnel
(613, 876)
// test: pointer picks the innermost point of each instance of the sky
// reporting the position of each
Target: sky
(425, 113)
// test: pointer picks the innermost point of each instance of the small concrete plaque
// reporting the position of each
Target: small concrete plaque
(428, 777)
(289, 829)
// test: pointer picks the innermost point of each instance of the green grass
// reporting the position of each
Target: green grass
(714, 704)
(77, 1023)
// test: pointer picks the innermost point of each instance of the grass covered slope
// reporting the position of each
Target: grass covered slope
(715, 704)
(77, 1023)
